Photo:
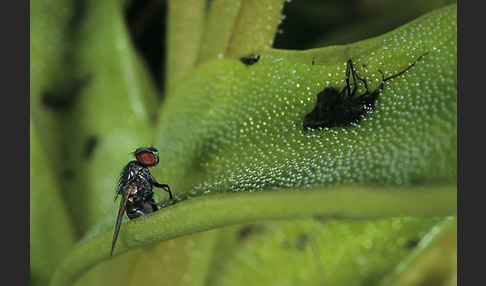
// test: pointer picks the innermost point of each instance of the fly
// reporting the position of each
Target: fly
(135, 188)
(336, 108)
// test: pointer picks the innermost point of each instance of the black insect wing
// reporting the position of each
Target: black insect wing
(328, 102)
(333, 109)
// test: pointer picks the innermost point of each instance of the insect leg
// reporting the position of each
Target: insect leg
(382, 84)
(161, 205)
(356, 75)
(135, 209)
(165, 187)
(405, 70)
(349, 65)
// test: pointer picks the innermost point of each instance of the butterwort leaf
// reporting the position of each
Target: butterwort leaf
(218, 210)
(240, 128)
(316, 251)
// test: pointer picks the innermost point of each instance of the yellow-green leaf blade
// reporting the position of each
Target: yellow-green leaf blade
(240, 128)
(210, 212)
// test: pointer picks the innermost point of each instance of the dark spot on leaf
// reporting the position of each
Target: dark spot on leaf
(68, 174)
(78, 14)
(321, 219)
(412, 243)
(90, 145)
(302, 241)
(56, 101)
(64, 97)
(246, 231)
(250, 60)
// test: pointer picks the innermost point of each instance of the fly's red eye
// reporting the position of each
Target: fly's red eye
(146, 159)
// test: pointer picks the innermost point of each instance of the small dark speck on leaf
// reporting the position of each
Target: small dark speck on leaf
(64, 97)
(57, 101)
(90, 145)
(250, 60)
(412, 243)
(322, 219)
(68, 174)
(302, 241)
(247, 230)
(79, 13)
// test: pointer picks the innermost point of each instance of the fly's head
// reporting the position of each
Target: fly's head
(147, 156)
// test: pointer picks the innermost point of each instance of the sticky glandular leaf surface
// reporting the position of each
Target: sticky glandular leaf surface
(232, 127)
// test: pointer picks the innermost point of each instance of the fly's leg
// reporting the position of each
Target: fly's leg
(356, 75)
(164, 205)
(151, 205)
(134, 211)
(382, 84)
(165, 188)
(347, 88)
(405, 70)
(349, 67)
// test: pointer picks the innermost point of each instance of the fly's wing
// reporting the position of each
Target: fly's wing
(124, 180)
(121, 184)
(121, 212)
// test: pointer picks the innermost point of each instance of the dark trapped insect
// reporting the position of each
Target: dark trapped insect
(336, 108)
(135, 188)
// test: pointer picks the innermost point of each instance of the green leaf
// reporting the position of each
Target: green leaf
(232, 127)
(180, 261)
(51, 230)
(214, 211)
(313, 252)
(421, 267)
(309, 251)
